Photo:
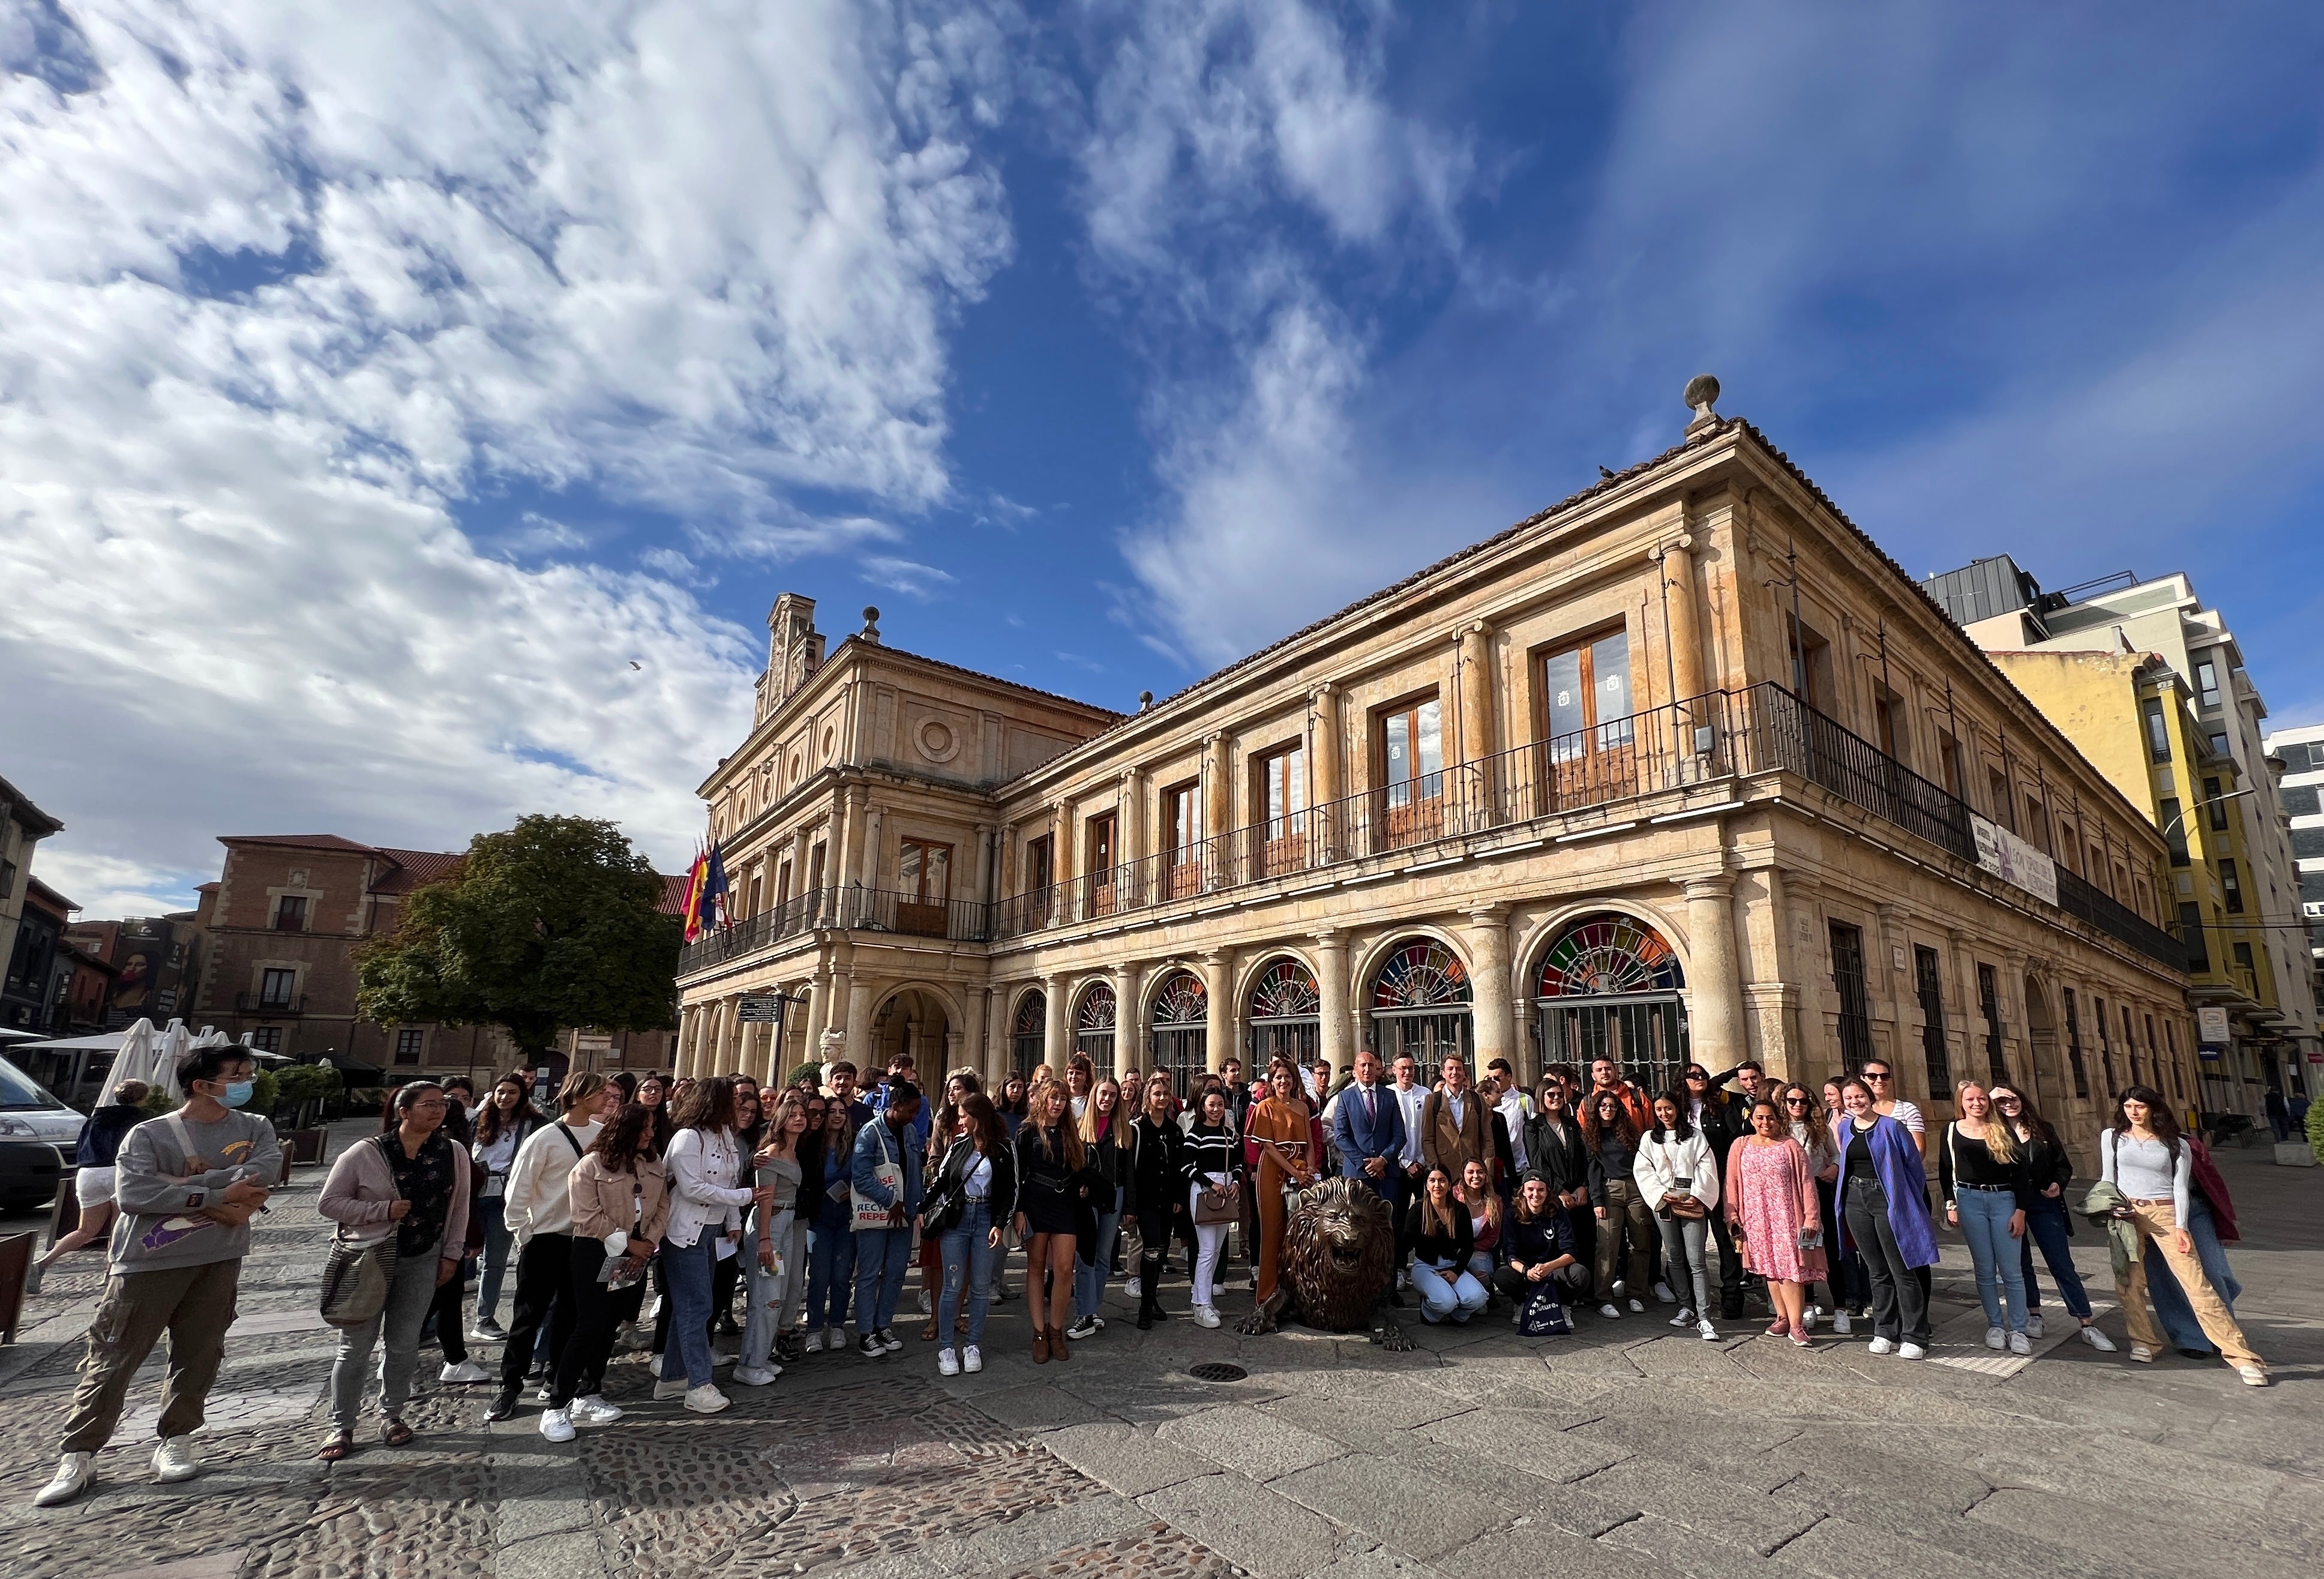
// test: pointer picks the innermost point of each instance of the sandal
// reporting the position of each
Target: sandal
(394, 1433)
(928, 1331)
(337, 1448)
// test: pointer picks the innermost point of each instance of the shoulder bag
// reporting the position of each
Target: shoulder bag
(941, 1207)
(868, 1213)
(356, 1275)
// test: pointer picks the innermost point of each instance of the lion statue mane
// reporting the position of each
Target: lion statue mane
(1339, 1255)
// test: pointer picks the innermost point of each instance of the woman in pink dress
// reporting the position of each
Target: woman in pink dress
(1771, 1207)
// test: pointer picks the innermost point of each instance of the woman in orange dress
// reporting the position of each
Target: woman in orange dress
(1281, 1135)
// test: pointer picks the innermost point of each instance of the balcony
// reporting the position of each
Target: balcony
(801, 913)
(271, 1005)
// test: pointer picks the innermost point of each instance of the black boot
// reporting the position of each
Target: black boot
(1146, 1313)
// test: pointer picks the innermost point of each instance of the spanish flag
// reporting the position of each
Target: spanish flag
(705, 894)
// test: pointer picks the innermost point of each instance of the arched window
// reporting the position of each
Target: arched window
(1608, 988)
(1181, 1033)
(1286, 1016)
(1093, 1025)
(1028, 1031)
(1420, 1003)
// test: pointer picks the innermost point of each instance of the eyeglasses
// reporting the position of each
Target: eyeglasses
(1697, 1074)
(1795, 1102)
(1883, 1077)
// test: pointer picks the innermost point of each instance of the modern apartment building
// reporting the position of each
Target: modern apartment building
(2150, 684)
(2301, 753)
(1684, 765)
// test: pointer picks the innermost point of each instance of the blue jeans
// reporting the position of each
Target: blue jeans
(1985, 1217)
(830, 1275)
(882, 1256)
(495, 1259)
(1450, 1292)
(1089, 1276)
(2047, 1223)
(968, 1255)
(688, 1270)
(2170, 1300)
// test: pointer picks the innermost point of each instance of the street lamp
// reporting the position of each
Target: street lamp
(2215, 800)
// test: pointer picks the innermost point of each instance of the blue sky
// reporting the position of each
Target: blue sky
(376, 388)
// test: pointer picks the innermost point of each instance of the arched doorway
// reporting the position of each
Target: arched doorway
(1182, 1016)
(1608, 988)
(2042, 1042)
(1420, 1004)
(1027, 1032)
(911, 1021)
(1286, 1016)
(1093, 1024)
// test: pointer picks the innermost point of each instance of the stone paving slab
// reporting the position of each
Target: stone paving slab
(1249, 1525)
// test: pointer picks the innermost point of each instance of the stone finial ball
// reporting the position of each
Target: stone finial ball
(1702, 392)
(871, 613)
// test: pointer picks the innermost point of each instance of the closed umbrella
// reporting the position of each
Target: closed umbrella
(134, 1061)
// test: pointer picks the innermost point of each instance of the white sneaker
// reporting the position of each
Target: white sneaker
(466, 1371)
(1709, 1333)
(971, 1359)
(1637, 1307)
(2034, 1324)
(1882, 1346)
(654, 1365)
(1808, 1319)
(2142, 1353)
(556, 1424)
(1684, 1317)
(593, 1410)
(925, 1309)
(1205, 1315)
(1662, 1292)
(175, 1459)
(1841, 1322)
(1609, 1310)
(1910, 1351)
(706, 1399)
(2019, 1344)
(70, 1480)
(756, 1375)
(947, 1362)
(1136, 1288)
(2098, 1340)
(814, 1342)
(543, 1393)
(673, 1388)
(1994, 1338)
(2252, 1375)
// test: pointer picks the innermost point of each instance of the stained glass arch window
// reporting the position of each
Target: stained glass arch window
(1181, 1001)
(1285, 990)
(1421, 974)
(1607, 953)
(1097, 1011)
(1032, 1015)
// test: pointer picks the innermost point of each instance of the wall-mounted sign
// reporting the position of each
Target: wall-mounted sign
(760, 1011)
(2212, 1027)
(2013, 860)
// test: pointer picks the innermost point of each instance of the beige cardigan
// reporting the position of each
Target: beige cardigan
(604, 1200)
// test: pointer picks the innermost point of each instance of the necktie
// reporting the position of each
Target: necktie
(1371, 1105)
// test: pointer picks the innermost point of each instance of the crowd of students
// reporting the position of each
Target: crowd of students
(812, 1201)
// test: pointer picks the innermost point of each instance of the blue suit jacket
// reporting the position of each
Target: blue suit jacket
(1359, 1138)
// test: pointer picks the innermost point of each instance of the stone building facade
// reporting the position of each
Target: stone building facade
(1683, 765)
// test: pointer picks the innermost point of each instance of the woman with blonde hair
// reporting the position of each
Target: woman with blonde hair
(1050, 1160)
(1103, 1127)
(1981, 1176)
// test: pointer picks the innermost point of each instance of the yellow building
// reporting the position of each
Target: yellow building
(1682, 765)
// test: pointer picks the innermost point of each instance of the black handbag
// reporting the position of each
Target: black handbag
(356, 1276)
(947, 1198)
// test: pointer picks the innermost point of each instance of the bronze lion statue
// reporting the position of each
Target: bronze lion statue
(1338, 1254)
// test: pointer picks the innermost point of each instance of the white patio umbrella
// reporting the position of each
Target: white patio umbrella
(136, 1060)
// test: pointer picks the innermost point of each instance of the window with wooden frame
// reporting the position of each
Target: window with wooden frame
(1100, 849)
(1585, 696)
(2231, 886)
(290, 913)
(1996, 795)
(1410, 741)
(1280, 791)
(1182, 839)
(1888, 725)
(922, 886)
(2036, 831)
(1949, 757)
(1811, 656)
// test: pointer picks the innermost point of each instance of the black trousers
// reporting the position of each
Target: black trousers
(1900, 1299)
(445, 1312)
(1405, 1205)
(544, 1298)
(581, 1366)
(1154, 1230)
(1731, 1269)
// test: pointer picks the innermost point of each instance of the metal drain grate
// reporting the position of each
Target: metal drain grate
(1217, 1371)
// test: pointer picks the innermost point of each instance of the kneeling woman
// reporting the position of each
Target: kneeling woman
(1541, 1264)
(1440, 1255)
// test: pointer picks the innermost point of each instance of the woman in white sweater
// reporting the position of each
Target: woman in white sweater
(2145, 1157)
(1678, 1179)
(707, 1194)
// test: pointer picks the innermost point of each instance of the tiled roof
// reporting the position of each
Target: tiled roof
(673, 896)
(300, 841)
(414, 867)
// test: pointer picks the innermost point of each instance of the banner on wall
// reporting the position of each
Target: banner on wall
(2013, 860)
(2212, 1027)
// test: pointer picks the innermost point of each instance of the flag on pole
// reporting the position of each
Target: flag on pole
(696, 877)
(714, 891)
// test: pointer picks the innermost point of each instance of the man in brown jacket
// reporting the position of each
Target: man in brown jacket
(1453, 1130)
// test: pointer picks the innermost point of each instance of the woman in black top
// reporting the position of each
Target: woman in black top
(1209, 1157)
(1556, 1150)
(1981, 1173)
(1444, 1241)
(2048, 1171)
(1154, 1191)
(1541, 1264)
(1048, 1157)
(1620, 1210)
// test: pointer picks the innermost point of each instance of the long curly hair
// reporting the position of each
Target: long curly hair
(1339, 1250)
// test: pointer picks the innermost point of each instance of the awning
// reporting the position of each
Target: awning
(108, 1041)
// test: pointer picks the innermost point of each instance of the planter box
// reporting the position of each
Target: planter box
(16, 1261)
(2295, 1154)
(306, 1146)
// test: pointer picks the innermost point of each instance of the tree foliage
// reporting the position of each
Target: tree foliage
(555, 923)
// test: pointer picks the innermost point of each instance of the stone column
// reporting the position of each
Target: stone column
(1685, 621)
(1330, 782)
(688, 1017)
(1063, 860)
(1715, 1019)
(1057, 1028)
(1489, 978)
(1128, 1025)
(859, 1021)
(982, 892)
(1335, 1033)
(1478, 790)
(818, 1009)
(1965, 1051)
(1218, 813)
(996, 1037)
(868, 863)
(1218, 989)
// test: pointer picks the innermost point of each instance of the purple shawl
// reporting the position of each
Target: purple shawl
(1903, 1180)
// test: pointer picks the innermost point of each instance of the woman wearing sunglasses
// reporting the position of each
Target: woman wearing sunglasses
(2049, 1170)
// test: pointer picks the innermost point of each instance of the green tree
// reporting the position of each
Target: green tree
(555, 923)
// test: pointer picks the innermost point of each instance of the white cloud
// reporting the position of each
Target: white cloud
(908, 576)
(281, 287)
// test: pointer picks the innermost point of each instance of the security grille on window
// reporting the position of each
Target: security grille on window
(2074, 1047)
(1855, 1001)
(1926, 981)
(409, 1045)
(1989, 994)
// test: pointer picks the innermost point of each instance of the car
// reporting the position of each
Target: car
(30, 1111)
(30, 1173)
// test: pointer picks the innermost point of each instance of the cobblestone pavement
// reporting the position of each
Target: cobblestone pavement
(1624, 1449)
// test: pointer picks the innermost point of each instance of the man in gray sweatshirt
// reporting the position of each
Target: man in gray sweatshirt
(187, 1185)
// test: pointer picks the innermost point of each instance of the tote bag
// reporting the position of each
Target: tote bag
(356, 1276)
(870, 1214)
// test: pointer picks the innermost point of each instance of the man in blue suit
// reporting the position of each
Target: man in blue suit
(1368, 1128)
